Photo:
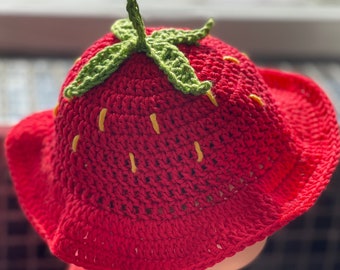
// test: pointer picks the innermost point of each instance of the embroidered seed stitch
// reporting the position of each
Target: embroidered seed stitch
(198, 151)
(153, 118)
(257, 99)
(75, 143)
(231, 59)
(76, 253)
(101, 120)
(133, 163)
(212, 98)
(55, 110)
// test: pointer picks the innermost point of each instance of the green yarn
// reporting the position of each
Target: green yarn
(100, 67)
(177, 67)
(137, 21)
(123, 29)
(176, 36)
(160, 46)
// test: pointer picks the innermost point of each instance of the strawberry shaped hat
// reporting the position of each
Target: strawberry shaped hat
(170, 149)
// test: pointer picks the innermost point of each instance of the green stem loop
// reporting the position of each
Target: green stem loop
(137, 21)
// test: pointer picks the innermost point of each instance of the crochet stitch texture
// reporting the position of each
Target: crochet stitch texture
(134, 174)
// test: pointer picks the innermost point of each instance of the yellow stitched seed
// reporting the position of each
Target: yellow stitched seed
(75, 143)
(198, 151)
(55, 110)
(101, 120)
(133, 163)
(212, 98)
(231, 59)
(257, 99)
(153, 118)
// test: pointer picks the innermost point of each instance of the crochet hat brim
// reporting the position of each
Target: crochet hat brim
(49, 206)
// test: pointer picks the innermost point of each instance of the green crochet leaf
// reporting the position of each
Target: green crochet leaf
(100, 67)
(177, 67)
(123, 30)
(175, 36)
(160, 46)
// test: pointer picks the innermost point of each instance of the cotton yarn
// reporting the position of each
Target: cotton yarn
(134, 174)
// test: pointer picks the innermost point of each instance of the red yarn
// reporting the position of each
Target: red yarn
(215, 180)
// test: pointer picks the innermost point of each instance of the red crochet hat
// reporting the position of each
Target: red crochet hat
(170, 150)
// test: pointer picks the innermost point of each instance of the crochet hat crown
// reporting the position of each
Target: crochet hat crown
(138, 147)
(170, 149)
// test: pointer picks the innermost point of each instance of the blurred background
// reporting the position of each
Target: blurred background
(39, 40)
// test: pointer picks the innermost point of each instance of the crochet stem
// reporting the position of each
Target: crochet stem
(137, 22)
